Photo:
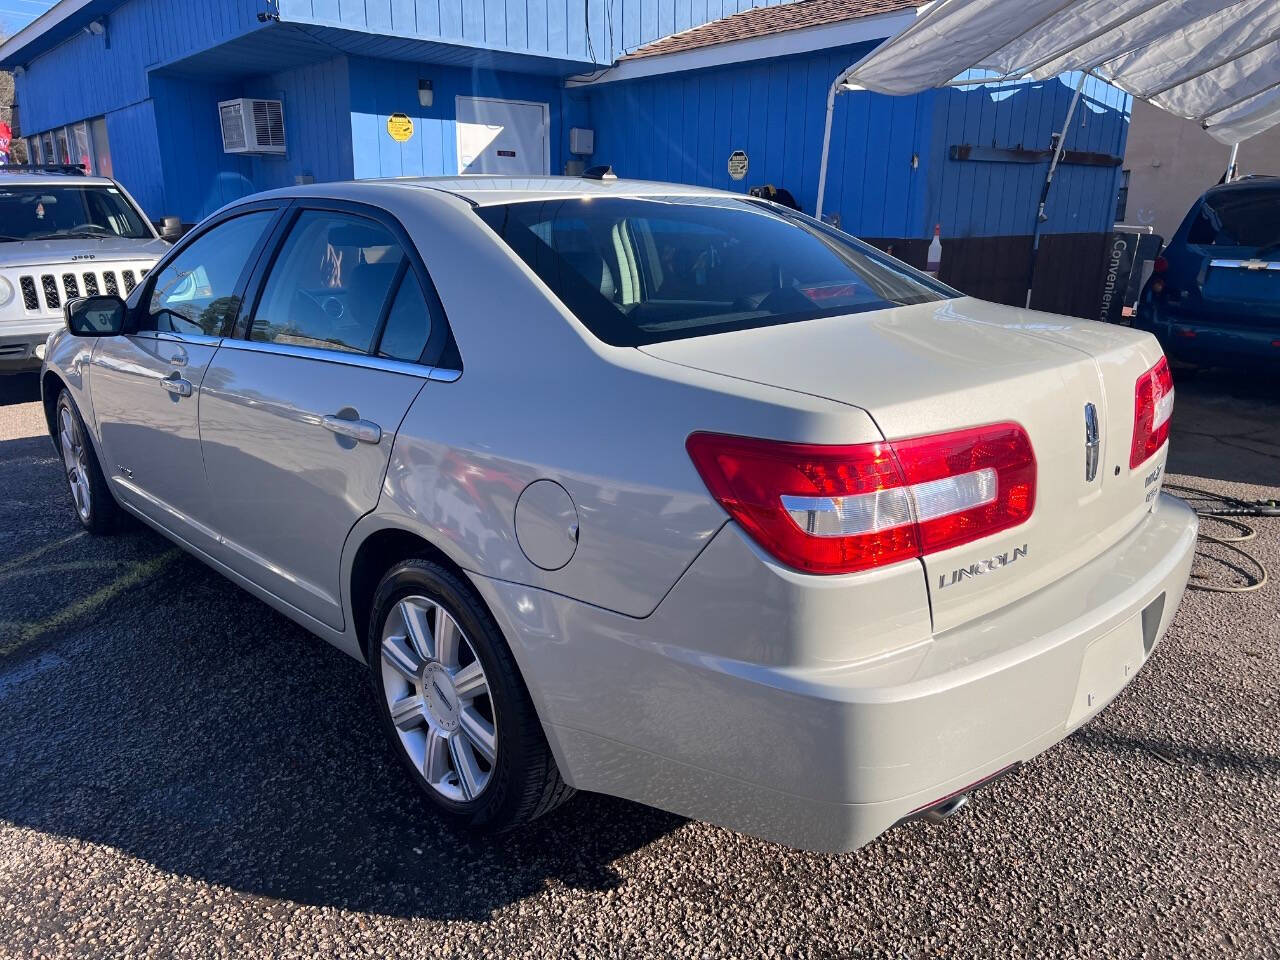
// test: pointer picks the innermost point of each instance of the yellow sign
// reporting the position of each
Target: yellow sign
(400, 126)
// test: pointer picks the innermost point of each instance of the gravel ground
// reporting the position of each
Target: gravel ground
(184, 772)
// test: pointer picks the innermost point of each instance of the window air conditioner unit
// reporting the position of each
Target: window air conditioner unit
(252, 126)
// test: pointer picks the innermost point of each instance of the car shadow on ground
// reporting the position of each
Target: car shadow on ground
(1225, 426)
(1211, 759)
(19, 387)
(149, 705)
(187, 724)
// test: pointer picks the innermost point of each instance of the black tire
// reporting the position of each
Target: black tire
(524, 782)
(101, 515)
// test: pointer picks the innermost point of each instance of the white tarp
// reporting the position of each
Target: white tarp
(1213, 61)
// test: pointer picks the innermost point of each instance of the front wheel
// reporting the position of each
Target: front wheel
(95, 506)
(453, 703)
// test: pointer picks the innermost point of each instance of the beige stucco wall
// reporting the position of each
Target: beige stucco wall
(1172, 161)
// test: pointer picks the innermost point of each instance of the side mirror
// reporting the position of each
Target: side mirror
(101, 316)
(170, 229)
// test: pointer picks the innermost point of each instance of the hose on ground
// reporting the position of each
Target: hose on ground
(1226, 509)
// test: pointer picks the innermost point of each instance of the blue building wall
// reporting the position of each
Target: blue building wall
(380, 88)
(201, 177)
(317, 120)
(136, 159)
(889, 171)
(999, 199)
(598, 31)
(164, 64)
(90, 75)
(682, 127)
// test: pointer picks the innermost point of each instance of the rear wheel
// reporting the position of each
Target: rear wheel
(453, 703)
(94, 504)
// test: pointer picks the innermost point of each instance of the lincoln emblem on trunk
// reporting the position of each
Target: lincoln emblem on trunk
(1091, 442)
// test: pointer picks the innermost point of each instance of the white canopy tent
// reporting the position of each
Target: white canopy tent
(1213, 61)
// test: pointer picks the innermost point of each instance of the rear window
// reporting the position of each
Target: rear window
(644, 270)
(1238, 218)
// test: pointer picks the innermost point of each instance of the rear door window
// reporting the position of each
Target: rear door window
(329, 285)
(408, 324)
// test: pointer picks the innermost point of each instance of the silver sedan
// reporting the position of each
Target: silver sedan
(651, 490)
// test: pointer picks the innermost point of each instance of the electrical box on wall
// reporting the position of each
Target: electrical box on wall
(582, 141)
(252, 126)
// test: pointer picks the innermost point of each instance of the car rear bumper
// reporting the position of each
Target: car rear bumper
(827, 755)
(1209, 338)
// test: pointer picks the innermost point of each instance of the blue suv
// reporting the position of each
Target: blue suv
(1214, 294)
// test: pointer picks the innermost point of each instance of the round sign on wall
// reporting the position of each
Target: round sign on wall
(738, 164)
(400, 126)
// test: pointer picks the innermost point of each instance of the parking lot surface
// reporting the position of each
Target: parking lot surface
(185, 772)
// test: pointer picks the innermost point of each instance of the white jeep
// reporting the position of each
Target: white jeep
(62, 236)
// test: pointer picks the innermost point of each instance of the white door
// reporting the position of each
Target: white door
(507, 137)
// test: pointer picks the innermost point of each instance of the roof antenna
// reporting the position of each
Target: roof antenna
(602, 172)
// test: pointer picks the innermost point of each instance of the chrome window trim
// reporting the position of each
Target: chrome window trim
(349, 359)
(1247, 264)
(177, 336)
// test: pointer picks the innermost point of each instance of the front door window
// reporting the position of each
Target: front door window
(197, 291)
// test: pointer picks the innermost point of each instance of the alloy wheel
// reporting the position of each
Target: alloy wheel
(438, 696)
(75, 459)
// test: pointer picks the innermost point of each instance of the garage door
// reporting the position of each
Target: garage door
(508, 137)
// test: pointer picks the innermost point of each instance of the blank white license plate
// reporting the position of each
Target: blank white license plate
(1109, 663)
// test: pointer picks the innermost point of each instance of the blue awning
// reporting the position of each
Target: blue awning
(280, 46)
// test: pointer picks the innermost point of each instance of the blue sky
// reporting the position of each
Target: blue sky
(16, 14)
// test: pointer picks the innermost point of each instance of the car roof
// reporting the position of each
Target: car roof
(37, 179)
(1255, 181)
(485, 190)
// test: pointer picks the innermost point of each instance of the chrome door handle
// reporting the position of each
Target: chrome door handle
(176, 385)
(366, 431)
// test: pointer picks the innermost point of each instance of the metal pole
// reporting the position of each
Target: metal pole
(1057, 145)
(1231, 164)
(826, 142)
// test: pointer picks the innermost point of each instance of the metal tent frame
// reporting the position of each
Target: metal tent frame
(1213, 61)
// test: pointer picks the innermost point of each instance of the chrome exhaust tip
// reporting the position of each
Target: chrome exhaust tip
(946, 809)
(953, 803)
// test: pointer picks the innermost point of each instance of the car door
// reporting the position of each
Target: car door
(146, 384)
(300, 407)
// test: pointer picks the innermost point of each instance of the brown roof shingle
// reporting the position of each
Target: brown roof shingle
(763, 21)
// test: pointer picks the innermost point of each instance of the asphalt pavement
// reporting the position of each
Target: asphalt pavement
(184, 772)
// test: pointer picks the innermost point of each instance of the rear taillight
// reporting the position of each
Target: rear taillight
(1159, 267)
(969, 484)
(1152, 409)
(837, 509)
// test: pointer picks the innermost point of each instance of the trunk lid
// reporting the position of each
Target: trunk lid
(1239, 288)
(937, 367)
